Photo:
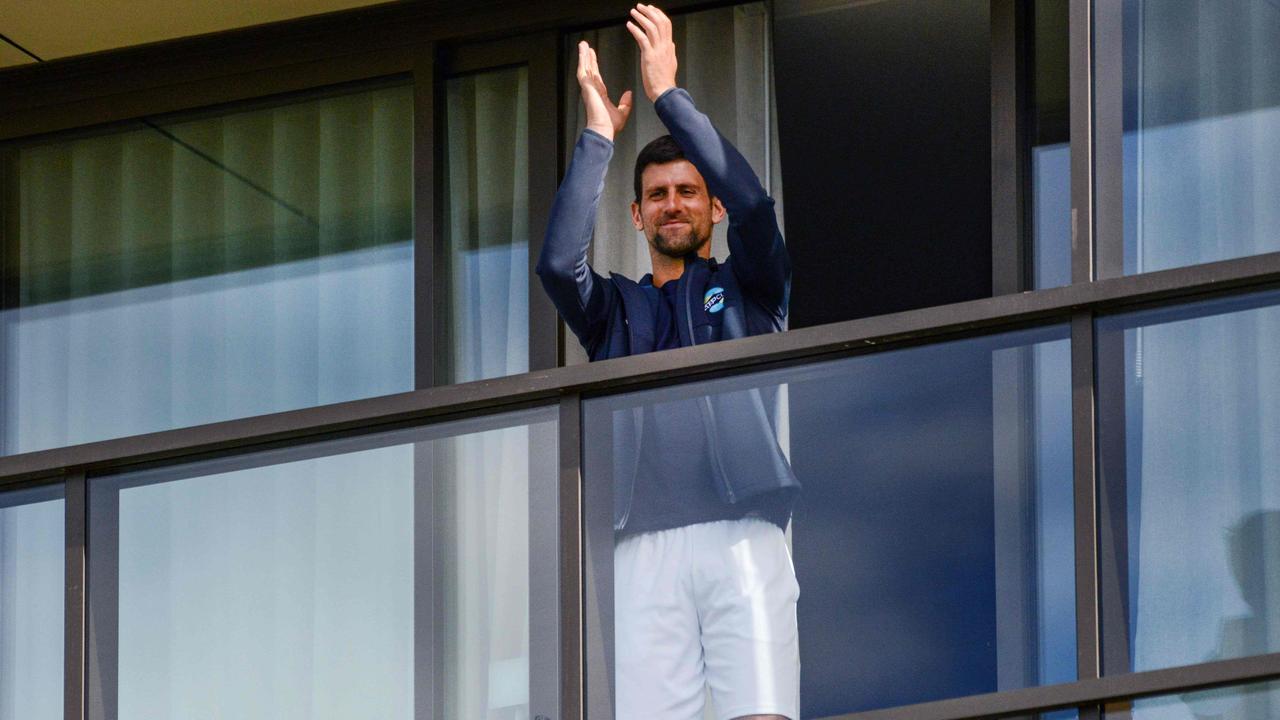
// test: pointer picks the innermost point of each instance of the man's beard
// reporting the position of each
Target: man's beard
(679, 245)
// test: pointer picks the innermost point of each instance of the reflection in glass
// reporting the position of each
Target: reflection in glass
(32, 576)
(933, 537)
(192, 270)
(1259, 701)
(1050, 148)
(1189, 437)
(1201, 134)
(487, 225)
(283, 585)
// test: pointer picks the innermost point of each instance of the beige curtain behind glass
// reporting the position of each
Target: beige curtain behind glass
(725, 66)
(487, 225)
(484, 478)
(220, 267)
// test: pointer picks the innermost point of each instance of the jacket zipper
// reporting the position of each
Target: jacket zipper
(709, 414)
(631, 490)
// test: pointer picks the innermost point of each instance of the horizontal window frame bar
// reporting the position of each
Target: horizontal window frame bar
(650, 370)
(225, 93)
(1084, 693)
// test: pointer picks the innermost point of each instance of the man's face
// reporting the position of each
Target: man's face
(675, 211)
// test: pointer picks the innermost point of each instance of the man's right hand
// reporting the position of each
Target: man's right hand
(602, 115)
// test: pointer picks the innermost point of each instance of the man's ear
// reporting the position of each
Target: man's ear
(717, 211)
(635, 215)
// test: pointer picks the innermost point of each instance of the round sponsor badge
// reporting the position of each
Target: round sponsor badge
(713, 301)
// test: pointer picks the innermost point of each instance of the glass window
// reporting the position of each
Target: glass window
(487, 226)
(1259, 701)
(725, 66)
(886, 153)
(182, 271)
(1201, 120)
(1189, 442)
(933, 532)
(32, 578)
(1050, 147)
(356, 578)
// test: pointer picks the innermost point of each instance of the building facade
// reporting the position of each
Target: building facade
(286, 430)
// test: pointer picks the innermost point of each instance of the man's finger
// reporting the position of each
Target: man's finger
(650, 28)
(641, 39)
(659, 18)
(582, 59)
(624, 104)
(595, 61)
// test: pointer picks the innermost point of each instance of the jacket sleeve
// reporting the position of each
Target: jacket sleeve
(760, 259)
(575, 289)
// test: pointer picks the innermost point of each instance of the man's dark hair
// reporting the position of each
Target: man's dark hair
(658, 152)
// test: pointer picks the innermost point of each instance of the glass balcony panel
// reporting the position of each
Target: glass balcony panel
(1259, 701)
(185, 271)
(355, 578)
(933, 538)
(1189, 437)
(32, 578)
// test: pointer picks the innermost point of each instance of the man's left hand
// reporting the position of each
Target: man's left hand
(652, 30)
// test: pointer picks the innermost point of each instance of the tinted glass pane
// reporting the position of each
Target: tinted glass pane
(1050, 147)
(31, 604)
(487, 225)
(181, 272)
(1190, 451)
(1201, 131)
(1243, 702)
(357, 578)
(933, 536)
(886, 153)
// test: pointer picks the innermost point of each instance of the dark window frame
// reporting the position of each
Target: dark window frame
(298, 55)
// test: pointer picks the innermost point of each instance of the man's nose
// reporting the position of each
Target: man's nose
(673, 204)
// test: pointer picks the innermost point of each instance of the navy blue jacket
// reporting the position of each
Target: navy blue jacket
(612, 318)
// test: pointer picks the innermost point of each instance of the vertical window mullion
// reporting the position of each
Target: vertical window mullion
(1086, 531)
(544, 178)
(74, 629)
(597, 579)
(428, 642)
(1108, 125)
(546, 445)
(9, 273)
(1080, 41)
(427, 217)
(571, 559)
(1009, 32)
(102, 644)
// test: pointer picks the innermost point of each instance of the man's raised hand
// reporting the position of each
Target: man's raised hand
(602, 115)
(652, 30)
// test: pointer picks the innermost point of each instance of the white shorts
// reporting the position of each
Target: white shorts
(706, 605)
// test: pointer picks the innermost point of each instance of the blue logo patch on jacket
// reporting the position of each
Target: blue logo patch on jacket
(713, 301)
